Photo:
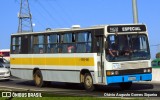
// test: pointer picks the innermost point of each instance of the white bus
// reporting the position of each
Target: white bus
(98, 55)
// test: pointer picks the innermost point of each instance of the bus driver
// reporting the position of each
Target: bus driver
(113, 51)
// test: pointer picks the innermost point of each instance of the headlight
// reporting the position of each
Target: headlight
(116, 72)
(145, 70)
(149, 70)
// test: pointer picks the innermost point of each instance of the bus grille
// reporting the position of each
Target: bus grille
(134, 65)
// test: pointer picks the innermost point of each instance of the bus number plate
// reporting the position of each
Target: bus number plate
(131, 78)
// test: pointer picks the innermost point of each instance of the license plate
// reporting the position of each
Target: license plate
(131, 78)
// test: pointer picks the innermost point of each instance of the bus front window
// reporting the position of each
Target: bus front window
(127, 47)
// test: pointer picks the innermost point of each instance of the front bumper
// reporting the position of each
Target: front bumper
(129, 78)
(5, 77)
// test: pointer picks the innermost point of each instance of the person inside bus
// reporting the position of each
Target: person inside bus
(126, 51)
(113, 51)
(70, 48)
(124, 45)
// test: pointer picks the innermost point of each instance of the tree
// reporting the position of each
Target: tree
(158, 55)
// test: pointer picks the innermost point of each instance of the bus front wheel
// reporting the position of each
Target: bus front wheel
(38, 78)
(88, 82)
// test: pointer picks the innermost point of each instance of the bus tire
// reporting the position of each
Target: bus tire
(38, 78)
(88, 82)
(126, 86)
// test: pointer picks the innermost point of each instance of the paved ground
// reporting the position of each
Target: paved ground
(16, 84)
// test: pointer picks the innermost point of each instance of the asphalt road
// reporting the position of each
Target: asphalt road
(15, 84)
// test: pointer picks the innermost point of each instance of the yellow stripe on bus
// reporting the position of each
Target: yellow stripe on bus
(54, 61)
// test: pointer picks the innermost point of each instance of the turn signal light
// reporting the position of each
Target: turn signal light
(109, 73)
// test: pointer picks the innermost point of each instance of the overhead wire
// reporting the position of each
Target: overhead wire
(58, 13)
(56, 22)
(64, 11)
(68, 21)
(39, 13)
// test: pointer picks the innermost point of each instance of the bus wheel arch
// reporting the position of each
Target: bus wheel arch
(82, 74)
(38, 78)
(34, 70)
(87, 80)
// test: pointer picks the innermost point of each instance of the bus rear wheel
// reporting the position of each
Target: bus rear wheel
(38, 78)
(88, 82)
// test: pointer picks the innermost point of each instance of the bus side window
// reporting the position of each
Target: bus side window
(81, 48)
(88, 47)
(81, 42)
(16, 45)
(53, 41)
(52, 50)
(35, 44)
(89, 42)
(35, 49)
(67, 42)
(59, 49)
(41, 50)
(64, 48)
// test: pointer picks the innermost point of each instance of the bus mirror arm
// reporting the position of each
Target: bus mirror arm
(106, 44)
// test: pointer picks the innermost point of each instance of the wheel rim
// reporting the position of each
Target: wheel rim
(37, 79)
(88, 81)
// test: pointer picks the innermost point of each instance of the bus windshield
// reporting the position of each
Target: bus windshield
(127, 47)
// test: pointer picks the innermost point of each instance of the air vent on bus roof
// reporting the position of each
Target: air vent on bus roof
(60, 29)
(76, 26)
(48, 29)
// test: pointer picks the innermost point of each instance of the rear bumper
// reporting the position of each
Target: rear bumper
(128, 78)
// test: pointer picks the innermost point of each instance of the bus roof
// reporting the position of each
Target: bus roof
(62, 30)
(49, 30)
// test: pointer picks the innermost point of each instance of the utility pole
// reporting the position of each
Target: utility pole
(25, 18)
(135, 11)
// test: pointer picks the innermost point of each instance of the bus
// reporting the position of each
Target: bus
(83, 55)
(156, 63)
(5, 53)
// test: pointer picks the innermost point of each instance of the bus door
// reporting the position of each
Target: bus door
(100, 64)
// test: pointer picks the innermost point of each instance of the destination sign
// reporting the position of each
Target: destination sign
(126, 28)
